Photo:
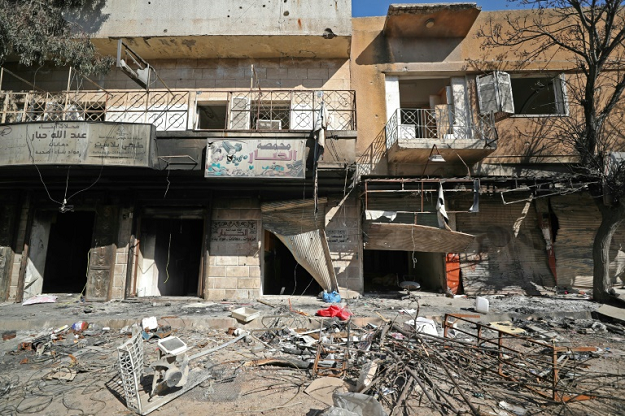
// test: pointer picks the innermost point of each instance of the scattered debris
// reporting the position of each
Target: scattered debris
(40, 299)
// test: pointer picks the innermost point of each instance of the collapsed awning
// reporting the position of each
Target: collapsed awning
(409, 237)
(302, 232)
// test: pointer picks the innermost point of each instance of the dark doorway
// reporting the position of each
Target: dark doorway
(384, 270)
(68, 252)
(282, 274)
(177, 254)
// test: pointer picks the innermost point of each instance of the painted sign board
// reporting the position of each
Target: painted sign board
(78, 143)
(270, 157)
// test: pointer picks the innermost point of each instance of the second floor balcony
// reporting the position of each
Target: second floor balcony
(170, 111)
(412, 133)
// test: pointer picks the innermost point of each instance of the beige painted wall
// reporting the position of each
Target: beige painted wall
(522, 140)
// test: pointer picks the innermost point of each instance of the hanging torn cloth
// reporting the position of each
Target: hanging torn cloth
(476, 196)
(443, 219)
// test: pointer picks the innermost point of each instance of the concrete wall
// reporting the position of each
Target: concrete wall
(216, 17)
(234, 266)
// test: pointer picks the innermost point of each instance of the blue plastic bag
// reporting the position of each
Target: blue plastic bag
(333, 297)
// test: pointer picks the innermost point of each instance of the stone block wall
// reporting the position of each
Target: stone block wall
(234, 252)
(345, 242)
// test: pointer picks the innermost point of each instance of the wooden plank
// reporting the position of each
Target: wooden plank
(409, 237)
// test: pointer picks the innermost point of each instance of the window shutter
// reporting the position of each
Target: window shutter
(240, 113)
(494, 93)
(505, 92)
(559, 88)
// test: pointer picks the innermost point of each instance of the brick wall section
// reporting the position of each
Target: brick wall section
(234, 267)
(344, 239)
(279, 73)
(19, 246)
(121, 255)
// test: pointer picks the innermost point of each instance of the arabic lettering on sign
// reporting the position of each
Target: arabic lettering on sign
(337, 236)
(234, 231)
(77, 142)
(253, 158)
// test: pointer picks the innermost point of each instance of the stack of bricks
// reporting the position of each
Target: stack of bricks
(234, 253)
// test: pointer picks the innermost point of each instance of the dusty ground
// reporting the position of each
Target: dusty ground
(27, 385)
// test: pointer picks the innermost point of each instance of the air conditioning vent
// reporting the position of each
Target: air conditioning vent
(269, 124)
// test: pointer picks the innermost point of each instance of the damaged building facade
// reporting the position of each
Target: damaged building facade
(222, 158)
(206, 163)
(458, 166)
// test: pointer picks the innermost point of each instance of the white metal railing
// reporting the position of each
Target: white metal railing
(440, 123)
(180, 110)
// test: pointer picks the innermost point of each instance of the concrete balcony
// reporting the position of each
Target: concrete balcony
(412, 134)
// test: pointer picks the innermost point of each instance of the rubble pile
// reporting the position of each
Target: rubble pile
(284, 361)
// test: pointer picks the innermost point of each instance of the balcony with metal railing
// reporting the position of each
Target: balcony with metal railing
(193, 110)
(412, 134)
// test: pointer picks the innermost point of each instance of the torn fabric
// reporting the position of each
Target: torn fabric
(443, 219)
(372, 214)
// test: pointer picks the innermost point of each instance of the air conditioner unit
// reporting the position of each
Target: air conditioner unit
(268, 124)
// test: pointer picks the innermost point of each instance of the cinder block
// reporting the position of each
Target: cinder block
(276, 73)
(258, 73)
(232, 73)
(237, 271)
(117, 293)
(216, 294)
(217, 271)
(249, 261)
(12, 292)
(223, 282)
(205, 83)
(273, 83)
(255, 271)
(232, 294)
(212, 73)
(248, 283)
(318, 73)
(120, 269)
(313, 83)
(297, 73)
(225, 83)
(226, 261)
(121, 258)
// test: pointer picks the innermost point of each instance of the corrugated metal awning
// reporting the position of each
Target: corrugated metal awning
(409, 237)
(302, 232)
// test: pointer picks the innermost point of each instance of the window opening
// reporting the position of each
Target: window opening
(211, 116)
